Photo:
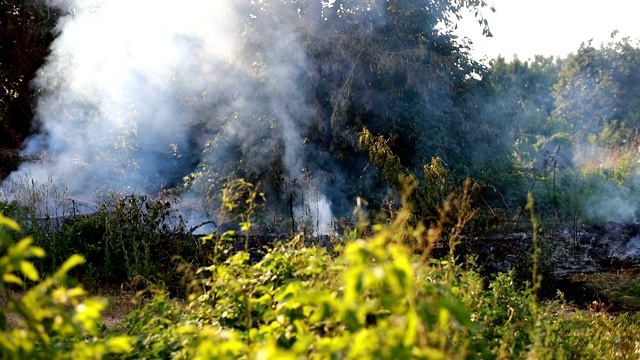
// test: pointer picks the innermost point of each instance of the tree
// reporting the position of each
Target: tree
(322, 72)
(528, 88)
(25, 35)
(596, 94)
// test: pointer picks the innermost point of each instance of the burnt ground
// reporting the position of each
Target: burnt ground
(597, 264)
(593, 265)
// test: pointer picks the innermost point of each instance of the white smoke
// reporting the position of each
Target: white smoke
(628, 251)
(132, 89)
(614, 208)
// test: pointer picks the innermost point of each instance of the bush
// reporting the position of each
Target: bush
(52, 319)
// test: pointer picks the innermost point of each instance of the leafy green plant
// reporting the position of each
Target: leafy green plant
(375, 299)
(429, 197)
(377, 294)
(122, 237)
(131, 236)
(51, 318)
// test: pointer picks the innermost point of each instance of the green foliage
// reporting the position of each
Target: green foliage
(574, 126)
(372, 297)
(122, 237)
(379, 293)
(375, 299)
(129, 237)
(25, 35)
(51, 319)
(595, 92)
(299, 301)
(424, 198)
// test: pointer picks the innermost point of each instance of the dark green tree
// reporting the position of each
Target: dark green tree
(597, 93)
(528, 88)
(393, 67)
(25, 36)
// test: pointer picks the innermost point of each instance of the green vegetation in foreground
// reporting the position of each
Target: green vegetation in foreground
(55, 319)
(372, 297)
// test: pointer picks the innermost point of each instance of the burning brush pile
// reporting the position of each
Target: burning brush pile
(612, 244)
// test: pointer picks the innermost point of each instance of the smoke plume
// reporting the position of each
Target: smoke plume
(136, 94)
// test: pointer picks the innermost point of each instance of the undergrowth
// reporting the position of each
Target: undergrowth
(374, 294)
(377, 291)
(127, 239)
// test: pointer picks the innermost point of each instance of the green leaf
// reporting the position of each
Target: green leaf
(71, 262)
(8, 222)
(29, 270)
(206, 238)
(22, 246)
(428, 353)
(11, 278)
(120, 344)
(245, 226)
(37, 251)
(351, 321)
(458, 310)
(411, 330)
(228, 236)
(89, 312)
(263, 300)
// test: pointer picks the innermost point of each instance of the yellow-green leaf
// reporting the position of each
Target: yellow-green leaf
(71, 262)
(89, 313)
(428, 353)
(29, 270)
(22, 245)
(11, 278)
(228, 235)
(206, 238)
(8, 222)
(120, 344)
(37, 251)
(245, 226)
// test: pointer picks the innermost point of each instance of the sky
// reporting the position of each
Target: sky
(550, 27)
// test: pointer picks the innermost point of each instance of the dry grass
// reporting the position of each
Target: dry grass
(621, 287)
(120, 303)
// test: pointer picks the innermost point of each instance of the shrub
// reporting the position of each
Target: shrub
(52, 319)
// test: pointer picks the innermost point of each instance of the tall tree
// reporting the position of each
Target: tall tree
(394, 67)
(25, 36)
(528, 89)
(597, 93)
